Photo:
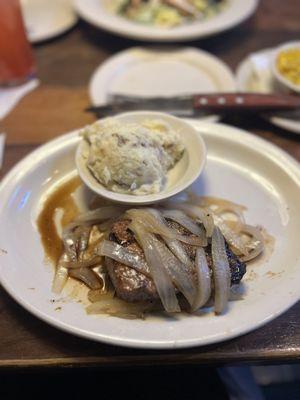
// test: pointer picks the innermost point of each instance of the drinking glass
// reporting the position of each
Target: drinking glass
(17, 63)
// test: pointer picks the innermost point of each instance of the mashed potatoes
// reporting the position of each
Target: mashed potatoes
(132, 158)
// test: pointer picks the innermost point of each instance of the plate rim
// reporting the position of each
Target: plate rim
(243, 137)
(159, 36)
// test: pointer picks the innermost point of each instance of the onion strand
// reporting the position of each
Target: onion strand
(160, 276)
(123, 255)
(202, 214)
(221, 271)
(203, 280)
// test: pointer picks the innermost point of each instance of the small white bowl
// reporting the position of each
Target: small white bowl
(185, 172)
(277, 74)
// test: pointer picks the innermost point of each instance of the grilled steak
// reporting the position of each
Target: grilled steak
(133, 286)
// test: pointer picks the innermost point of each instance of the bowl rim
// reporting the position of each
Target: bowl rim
(277, 74)
(99, 189)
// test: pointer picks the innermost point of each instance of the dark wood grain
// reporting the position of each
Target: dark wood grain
(36, 344)
(57, 106)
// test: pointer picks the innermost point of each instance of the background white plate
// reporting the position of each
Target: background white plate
(149, 72)
(263, 82)
(240, 167)
(95, 13)
(46, 19)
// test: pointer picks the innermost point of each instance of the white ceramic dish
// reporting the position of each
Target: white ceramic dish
(277, 74)
(254, 74)
(125, 73)
(240, 167)
(185, 172)
(94, 12)
(46, 19)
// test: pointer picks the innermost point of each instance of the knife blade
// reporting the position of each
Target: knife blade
(182, 106)
(199, 105)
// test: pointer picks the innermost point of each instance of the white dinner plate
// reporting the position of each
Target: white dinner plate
(240, 167)
(151, 72)
(260, 79)
(94, 12)
(46, 19)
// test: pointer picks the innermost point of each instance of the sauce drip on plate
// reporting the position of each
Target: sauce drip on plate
(61, 198)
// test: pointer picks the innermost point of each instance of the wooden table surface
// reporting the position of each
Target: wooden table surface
(65, 66)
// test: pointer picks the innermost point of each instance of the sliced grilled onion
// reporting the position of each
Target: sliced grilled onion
(61, 274)
(153, 222)
(99, 214)
(202, 214)
(105, 226)
(76, 235)
(175, 268)
(124, 256)
(89, 263)
(209, 201)
(182, 219)
(223, 212)
(178, 250)
(75, 239)
(234, 239)
(93, 217)
(70, 241)
(256, 244)
(221, 271)
(87, 276)
(203, 280)
(177, 271)
(159, 274)
(84, 235)
(102, 275)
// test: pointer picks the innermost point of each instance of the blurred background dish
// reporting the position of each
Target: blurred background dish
(96, 13)
(153, 72)
(286, 65)
(254, 74)
(47, 19)
(166, 13)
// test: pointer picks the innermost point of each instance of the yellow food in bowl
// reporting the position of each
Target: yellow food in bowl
(288, 65)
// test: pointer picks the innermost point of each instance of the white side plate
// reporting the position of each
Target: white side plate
(46, 19)
(240, 167)
(151, 72)
(262, 80)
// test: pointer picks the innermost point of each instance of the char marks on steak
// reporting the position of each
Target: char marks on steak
(132, 285)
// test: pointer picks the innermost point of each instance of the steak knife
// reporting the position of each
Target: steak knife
(200, 104)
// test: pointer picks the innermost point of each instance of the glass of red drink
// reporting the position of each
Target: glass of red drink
(16, 57)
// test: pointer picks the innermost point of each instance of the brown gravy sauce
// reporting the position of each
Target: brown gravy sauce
(61, 198)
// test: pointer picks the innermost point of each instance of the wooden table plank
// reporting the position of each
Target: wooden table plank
(57, 106)
(54, 109)
(34, 343)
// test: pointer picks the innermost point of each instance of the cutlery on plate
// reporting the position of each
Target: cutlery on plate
(200, 104)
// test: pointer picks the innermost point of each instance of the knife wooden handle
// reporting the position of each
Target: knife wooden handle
(245, 102)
